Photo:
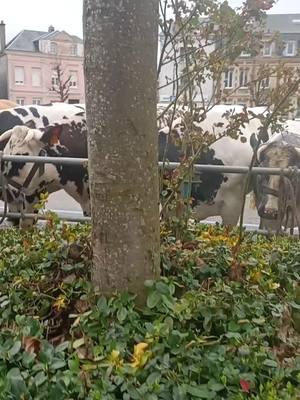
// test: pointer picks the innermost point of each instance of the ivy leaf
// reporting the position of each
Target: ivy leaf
(58, 364)
(122, 314)
(200, 391)
(17, 384)
(153, 299)
(40, 378)
(215, 386)
(14, 349)
(270, 363)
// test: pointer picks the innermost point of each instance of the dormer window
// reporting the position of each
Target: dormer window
(74, 50)
(53, 48)
(267, 49)
(290, 48)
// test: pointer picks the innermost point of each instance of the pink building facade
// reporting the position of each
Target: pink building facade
(28, 66)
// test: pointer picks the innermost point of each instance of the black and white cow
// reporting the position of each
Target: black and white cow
(272, 191)
(217, 194)
(68, 139)
(39, 117)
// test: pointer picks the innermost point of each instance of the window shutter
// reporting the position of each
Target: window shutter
(36, 77)
(19, 75)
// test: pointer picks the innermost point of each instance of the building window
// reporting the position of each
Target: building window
(243, 78)
(245, 54)
(54, 78)
(20, 101)
(19, 75)
(36, 101)
(36, 77)
(53, 48)
(267, 49)
(74, 50)
(228, 81)
(265, 83)
(73, 80)
(290, 48)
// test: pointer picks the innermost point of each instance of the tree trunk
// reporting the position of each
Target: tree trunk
(120, 39)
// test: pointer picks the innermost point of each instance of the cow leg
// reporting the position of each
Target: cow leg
(28, 208)
(83, 198)
(204, 211)
(231, 210)
(13, 208)
(230, 217)
(268, 225)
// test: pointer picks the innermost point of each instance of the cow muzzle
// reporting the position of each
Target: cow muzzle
(268, 213)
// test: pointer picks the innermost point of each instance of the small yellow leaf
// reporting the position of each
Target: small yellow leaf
(60, 303)
(115, 359)
(140, 355)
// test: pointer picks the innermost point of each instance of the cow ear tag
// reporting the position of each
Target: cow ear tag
(55, 135)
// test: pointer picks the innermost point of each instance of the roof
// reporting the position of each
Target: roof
(283, 23)
(24, 41)
(27, 40)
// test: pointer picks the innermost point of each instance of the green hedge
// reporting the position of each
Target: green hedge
(221, 323)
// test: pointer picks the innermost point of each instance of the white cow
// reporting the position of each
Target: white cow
(219, 194)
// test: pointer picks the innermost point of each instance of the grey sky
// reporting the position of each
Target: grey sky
(67, 14)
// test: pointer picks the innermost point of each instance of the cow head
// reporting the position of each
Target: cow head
(22, 140)
(26, 141)
(269, 187)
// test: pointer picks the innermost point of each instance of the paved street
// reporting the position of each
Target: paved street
(65, 205)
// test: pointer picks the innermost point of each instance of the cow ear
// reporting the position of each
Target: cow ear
(32, 134)
(52, 134)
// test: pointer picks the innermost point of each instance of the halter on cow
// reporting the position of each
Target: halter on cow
(278, 197)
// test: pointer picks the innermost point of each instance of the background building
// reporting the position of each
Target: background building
(29, 62)
(281, 46)
(170, 72)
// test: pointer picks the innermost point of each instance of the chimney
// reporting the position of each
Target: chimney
(51, 28)
(2, 37)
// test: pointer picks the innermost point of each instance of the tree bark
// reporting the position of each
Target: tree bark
(120, 39)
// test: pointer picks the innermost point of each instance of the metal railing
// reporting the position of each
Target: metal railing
(167, 165)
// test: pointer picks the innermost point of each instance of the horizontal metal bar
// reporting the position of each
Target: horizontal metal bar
(170, 165)
(44, 217)
(47, 160)
(234, 169)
